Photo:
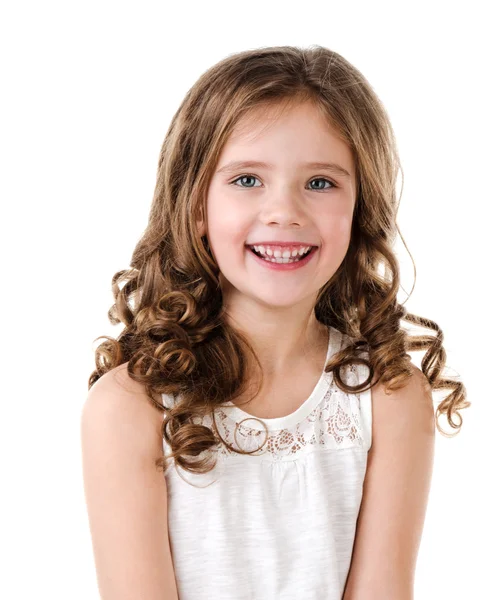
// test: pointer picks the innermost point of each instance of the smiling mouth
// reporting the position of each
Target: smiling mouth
(282, 260)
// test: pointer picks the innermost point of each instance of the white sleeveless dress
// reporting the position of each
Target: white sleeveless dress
(280, 524)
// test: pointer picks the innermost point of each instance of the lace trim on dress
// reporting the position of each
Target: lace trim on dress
(335, 423)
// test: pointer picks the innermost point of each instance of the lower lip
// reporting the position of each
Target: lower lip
(283, 266)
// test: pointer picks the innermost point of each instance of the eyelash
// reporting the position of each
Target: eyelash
(333, 185)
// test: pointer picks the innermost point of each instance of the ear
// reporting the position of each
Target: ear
(201, 228)
(200, 224)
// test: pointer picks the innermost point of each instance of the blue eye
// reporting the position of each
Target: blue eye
(243, 177)
(332, 185)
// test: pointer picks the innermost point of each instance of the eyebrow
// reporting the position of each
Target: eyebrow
(251, 164)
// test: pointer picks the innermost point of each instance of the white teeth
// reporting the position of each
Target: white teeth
(268, 251)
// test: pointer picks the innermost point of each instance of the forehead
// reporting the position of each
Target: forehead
(259, 120)
(290, 131)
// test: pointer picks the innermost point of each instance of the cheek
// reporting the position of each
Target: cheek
(336, 236)
(226, 233)
(342, 229)
(228, 222)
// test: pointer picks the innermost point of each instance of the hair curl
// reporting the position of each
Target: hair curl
(176, 339)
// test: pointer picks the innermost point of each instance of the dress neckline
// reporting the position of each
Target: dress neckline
(321, 387)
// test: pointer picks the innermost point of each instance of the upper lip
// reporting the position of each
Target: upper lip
(281, 244)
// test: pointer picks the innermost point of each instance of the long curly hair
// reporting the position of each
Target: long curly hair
(176, 339)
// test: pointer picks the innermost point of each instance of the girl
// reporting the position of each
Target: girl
(257, 430)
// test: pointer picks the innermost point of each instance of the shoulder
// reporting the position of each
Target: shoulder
(125, 492)
(403, 424)
(119, 406)
(395, 492)
(407, 408)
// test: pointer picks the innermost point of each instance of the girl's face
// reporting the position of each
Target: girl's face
(282, 200)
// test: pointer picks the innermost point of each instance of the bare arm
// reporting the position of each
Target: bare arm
(395, 494)
(125, 495)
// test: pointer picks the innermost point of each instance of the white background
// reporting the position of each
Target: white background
(89, 89)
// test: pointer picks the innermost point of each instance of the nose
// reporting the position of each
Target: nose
(283, 207)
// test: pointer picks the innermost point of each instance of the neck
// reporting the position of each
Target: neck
(282, 339)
